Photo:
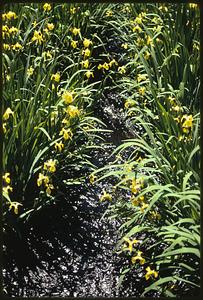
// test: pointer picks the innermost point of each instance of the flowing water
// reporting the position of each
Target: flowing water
(68, 250)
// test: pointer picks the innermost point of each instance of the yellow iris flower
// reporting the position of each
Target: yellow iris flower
(50, 165)
(15, 206)
(73, 111)
(87, 43)
(6, 178)
(50, 26)
(74, 44)
(76, 31)
(105, 196)
(49, 187)
(138, 257)
(37, 37)
(130, 244)
(67, 134)
(8, 16)
(7, 189)
(67, 97)
(55, 77)
(89, 74)
(86, 52)
(47, 7)
(30, 71)
(150, 273)
(7, 114)
(42, 179)
(85, 63)
(59, 146)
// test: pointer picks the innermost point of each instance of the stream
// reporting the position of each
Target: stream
(69, 250)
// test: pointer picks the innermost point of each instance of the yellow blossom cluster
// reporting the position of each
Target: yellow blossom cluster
(163, 8)
(86, 52)
(73, 10)
(59, 146)
(109, 13)
(193, 5)
(75, 31)
(173, 103)
(47, 55)
(138, 256)
(15, 47)
(9, 31)
(147, 55)
(9, 16)
(7, 114)
(137, 28)
(6, 178)
(124, 46)
(186, 122)
(14, 205)
(74, 44)
(107, 66)
(137, 200)
(49, 167)
(47, 7)
(72, 112)
(136, 185)
(68, 97)
(30, 71)
(142, 91)
(44, 180)
(8, 188)
(143, 39)
(87, 43)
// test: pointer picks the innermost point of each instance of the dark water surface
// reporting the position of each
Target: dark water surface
(68, 250)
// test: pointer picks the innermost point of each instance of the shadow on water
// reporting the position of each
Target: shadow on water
(66, 251)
